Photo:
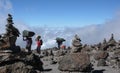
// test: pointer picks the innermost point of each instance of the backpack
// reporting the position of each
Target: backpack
(41, 42)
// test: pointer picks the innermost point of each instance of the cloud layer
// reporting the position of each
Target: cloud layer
(89, 35)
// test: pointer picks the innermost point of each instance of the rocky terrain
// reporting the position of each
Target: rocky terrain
(103, 57)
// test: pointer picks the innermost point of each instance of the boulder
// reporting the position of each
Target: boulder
(117, 53)
(59, 53)
(75, 62)
(75, 49)
(52, 62)
(7, 42)
(118, 64)
(86, 48)
(18, 67)
(45, 53)
(50, 52)
(20, 63)
(101, 62)
(100, 55)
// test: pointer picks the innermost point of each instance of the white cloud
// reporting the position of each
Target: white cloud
(49, 43)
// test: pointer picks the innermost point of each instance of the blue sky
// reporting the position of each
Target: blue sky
(64, 13)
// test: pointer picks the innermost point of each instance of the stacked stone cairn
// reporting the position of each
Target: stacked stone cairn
(8, 40)
(76, 44)
(12, 58)
(76, 61)
(108, 53)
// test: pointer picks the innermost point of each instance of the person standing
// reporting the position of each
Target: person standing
(39, 43)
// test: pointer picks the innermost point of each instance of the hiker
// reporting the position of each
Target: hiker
(39, 43)
(28, 43)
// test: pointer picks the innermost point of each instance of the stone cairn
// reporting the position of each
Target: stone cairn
(108, 53)
(8, 40)
(76, 44)
(12, 58)
(76, 61)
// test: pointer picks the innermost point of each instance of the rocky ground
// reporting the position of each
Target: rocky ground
(54, 68)
(103, 57)
(27, 63)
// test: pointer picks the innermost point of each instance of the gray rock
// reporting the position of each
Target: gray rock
(118, 64)
(45, 53)
(18, 67)
(101, 62)
(117, 53)
(101, 55)
(59, 53)
(75, 62)
(50, 52)
(52, 62)
(20, 63)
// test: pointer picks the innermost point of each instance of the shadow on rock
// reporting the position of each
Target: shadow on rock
(98, 71)
(47, 69)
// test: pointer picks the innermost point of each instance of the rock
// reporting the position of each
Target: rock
(12, 58)
(10, 29)
(101, 55)
(8, 39)
(76, 45)
(18, 67)
(101, 62)
(15, 49)
(53, 62)
(117, 53)
(20, 63)
(58, 59)
(75, 62)
(34, 61)
(59, 53)
(75, 49)
(50, 53)
(110, 45)
(45, 53)
(112, 41)
(118, 64)
(86, 48)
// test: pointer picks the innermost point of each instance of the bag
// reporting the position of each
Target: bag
(28, 33)
(41, 42)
